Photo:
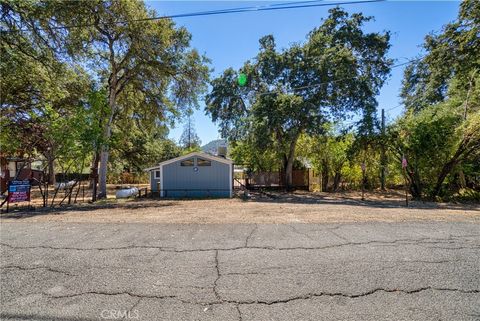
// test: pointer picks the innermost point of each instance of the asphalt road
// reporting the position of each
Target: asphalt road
(359, 271)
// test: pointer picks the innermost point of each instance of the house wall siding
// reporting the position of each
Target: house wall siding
(207, 181)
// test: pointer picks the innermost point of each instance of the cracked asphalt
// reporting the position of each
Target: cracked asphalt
(146, 271)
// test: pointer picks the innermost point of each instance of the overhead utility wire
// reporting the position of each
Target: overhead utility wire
(414, 100)
(253, 9)
(280, 6)
(333, 81)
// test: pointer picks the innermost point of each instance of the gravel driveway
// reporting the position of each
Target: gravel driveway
(152, 271)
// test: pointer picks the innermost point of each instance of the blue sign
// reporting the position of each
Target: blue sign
(19, 191)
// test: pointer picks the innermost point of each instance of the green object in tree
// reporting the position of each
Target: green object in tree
(242, 79)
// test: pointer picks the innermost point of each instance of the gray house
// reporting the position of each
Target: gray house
(194, 175)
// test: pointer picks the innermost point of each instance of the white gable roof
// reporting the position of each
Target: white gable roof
(151, 168)
(198, 154)
(194, 154)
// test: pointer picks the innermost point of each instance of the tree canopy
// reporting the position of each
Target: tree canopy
(337, 71)
(440, 130)
(146, 66)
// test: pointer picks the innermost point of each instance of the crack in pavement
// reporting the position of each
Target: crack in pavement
(134, 295)
(127, 315)
(295, 230)
(338, 235)
(350, 296)
(250, 235)
(23, 268)
(240, 317)
(307, 296)
(419, 242)
(215, 292)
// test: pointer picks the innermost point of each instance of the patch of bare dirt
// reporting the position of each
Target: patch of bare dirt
(277, 208)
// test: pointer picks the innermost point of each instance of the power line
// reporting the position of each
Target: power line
(389, 109)
(333, 81)
(414, 100)
(267, 8)
(279, 6)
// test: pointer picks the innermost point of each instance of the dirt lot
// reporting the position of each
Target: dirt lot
(278, 208)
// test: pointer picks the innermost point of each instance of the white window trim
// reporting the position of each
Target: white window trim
(157, 174)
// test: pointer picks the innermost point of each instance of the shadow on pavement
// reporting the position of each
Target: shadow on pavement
(389, 201)
(133, 205)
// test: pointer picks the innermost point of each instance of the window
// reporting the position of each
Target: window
(203, 162)
(157, 174)
(187, 162)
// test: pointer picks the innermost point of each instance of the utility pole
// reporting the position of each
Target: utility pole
(382, 156)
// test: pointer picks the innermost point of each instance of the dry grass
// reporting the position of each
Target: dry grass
(300, 207)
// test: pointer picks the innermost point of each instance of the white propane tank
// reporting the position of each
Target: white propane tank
(64, 185)
(127, 192)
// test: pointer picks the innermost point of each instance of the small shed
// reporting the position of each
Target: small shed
(193, 175)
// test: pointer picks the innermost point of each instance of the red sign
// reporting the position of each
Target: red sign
(19, 191)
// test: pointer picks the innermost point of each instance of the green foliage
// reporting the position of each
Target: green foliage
(43, 104)
(452, 62)
(431, 139)
(439, 133)
(244, 153)
(142, 75)
(351, 64)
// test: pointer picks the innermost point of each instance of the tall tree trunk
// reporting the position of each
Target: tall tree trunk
(289, 163)
(461, 177)
(446, 169)
(51, 167)
(463, 150)
(104, 150)
(415, 184)
(336, 180)
(325, 170)
(94, 175)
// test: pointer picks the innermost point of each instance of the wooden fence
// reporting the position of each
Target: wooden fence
(300, 179)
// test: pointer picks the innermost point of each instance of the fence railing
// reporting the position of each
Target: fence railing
(300, 179)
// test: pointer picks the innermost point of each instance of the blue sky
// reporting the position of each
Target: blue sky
(231, 39)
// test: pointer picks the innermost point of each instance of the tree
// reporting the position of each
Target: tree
(189, 139)
(131, 54)
(434, 140)
(442, 94)
(42, 97)
(245, 153)
(451, 65)
(337, 71)
(329, 154)
(134, 146)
